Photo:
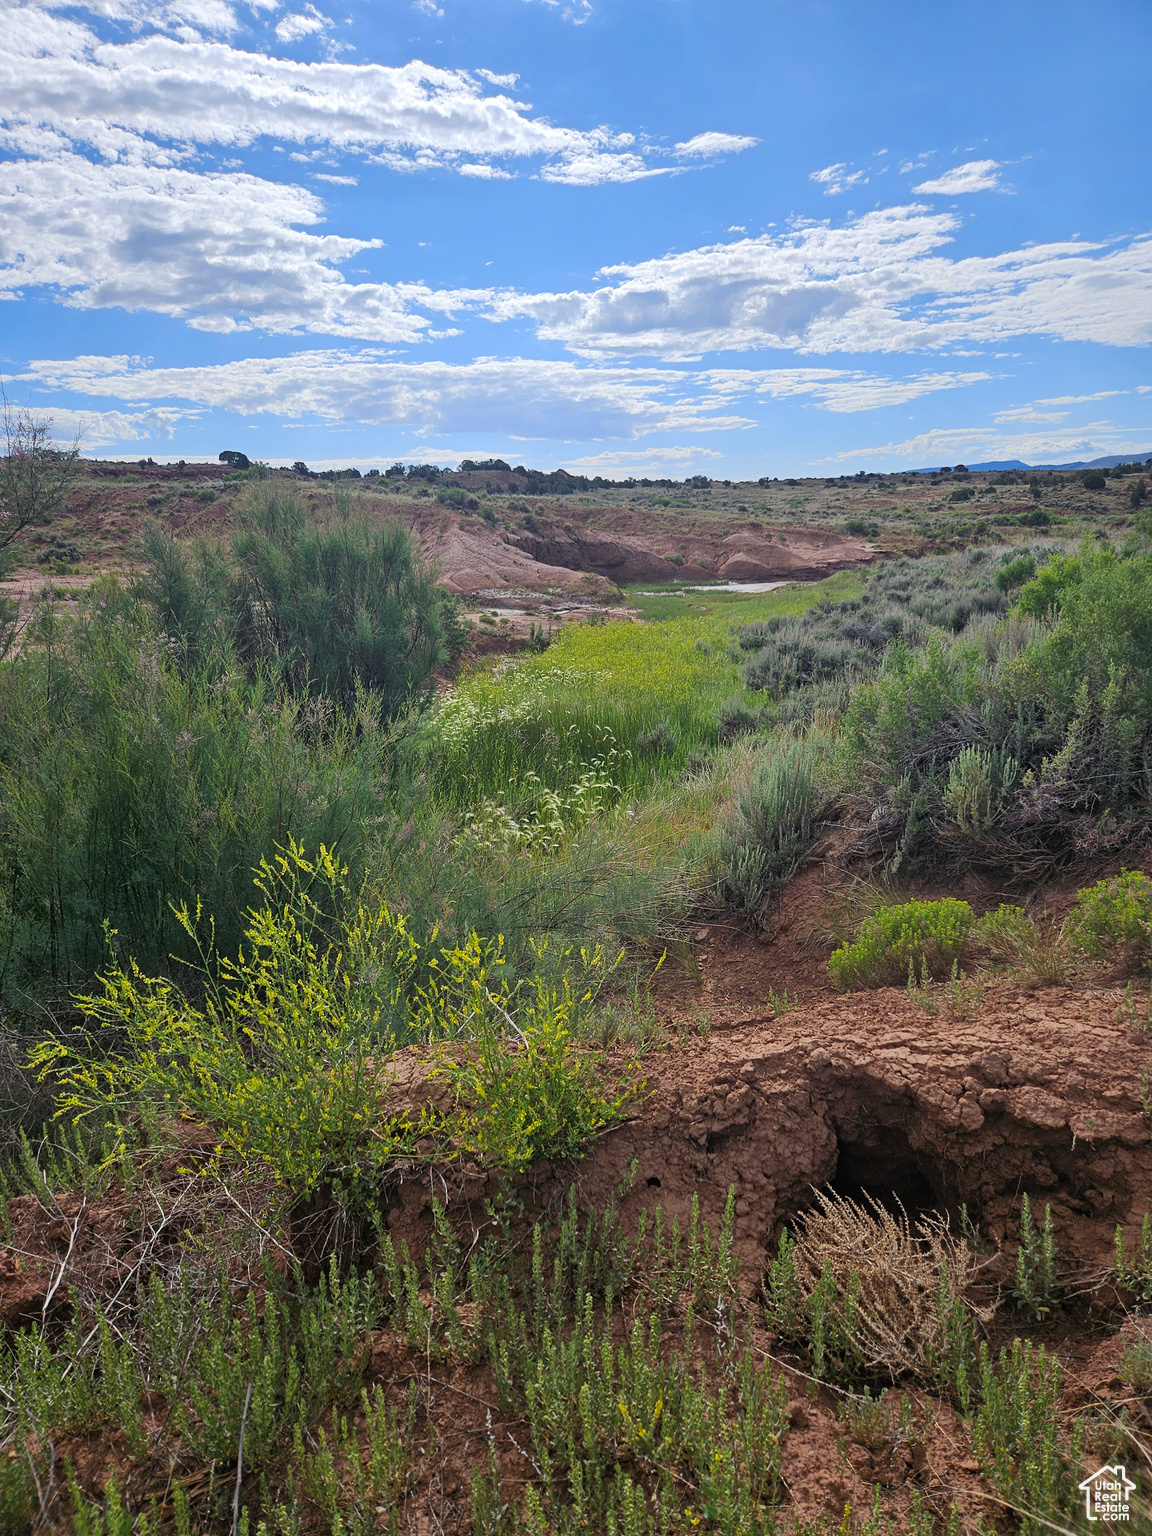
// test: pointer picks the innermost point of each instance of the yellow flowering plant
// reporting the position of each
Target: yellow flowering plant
(524, 1088)
(283, 1058)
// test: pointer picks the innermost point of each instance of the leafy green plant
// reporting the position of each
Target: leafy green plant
(978, 782)
(284, 1058)
(771, 826)
(524, 1088)
(1036, 950)
(1036, 1269)
(917, 935)
(1134, 1367)
(1133, 1272)
(1114, 914)
(1016, 1434)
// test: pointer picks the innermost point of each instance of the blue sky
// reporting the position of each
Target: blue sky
(624, 236)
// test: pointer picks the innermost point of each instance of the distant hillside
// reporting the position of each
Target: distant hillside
(1108, 462)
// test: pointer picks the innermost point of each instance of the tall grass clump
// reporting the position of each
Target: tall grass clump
(132, 783)
(771, 826)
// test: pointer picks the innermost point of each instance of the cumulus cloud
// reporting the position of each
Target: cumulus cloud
(184, 17)
(840, 390)
(150, 97)
(707, 144)
(524, 397)
(301, 24)
(981, 444)
(837, 178)
(974, 176)
(219, 251)
(875, 283)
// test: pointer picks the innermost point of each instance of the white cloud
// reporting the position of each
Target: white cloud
(842, 391)
(1028, 413)
(981, 444)
(99, 429)
(1101, 394)
(219, 251)
(528, 398)
(301, 24)
(575, 11)
(213, 16)
(521, 397)
(484, 171)
(716, 144)
(660, 462)
(507, 81)
(1031, 413)
(876, 283)
(337, 181)
(837, 178)
(594, 167)
(975, 176)
(151, 97)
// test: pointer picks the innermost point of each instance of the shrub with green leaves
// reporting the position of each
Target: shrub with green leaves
(285, 1060)
(771, 826)
(284, 1057)
(1016, 1434)
(1036, 1271)
(916, 936)
(1115, 914)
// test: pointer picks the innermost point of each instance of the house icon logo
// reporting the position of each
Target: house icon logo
(1108, 1494)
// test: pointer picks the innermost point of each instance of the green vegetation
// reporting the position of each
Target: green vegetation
(303, 955)
(914, 938)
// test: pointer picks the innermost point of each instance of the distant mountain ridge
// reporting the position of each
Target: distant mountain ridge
(1110, 461)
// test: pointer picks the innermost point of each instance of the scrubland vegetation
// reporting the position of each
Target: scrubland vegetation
(255, 867)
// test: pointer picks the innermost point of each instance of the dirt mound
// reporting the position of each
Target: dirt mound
(1041, 1093)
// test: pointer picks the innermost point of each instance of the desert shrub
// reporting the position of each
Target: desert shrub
(1134, 1367)
(1036, 951)
(1093, 480)
(736, 718)
(1015, 573)
(1036, 1272)
(1115, 913)
(1016, 1434)
(1102, 637)
(771, 826)
(1042, 592)
(978, 782)
(132, 781)
(283, 1058)
(1134, 1272)
(334, 608)
(524, 1089)
(188, 590)
(924, 937)
(286, 1058)
(870, 1294)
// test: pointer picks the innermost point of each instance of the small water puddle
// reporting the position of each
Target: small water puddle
(722, 586)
